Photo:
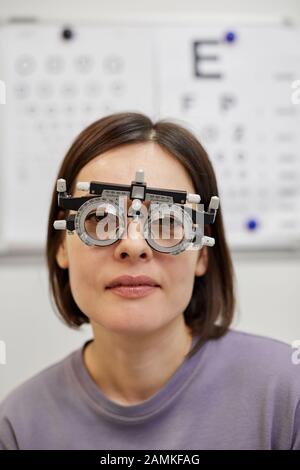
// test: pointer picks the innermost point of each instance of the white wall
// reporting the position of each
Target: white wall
(268, 284)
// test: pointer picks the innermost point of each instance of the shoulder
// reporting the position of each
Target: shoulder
(251, 346)
(258, 380)
(42, 390)
(258, 359)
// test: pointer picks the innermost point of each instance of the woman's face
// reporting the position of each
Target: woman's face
(91, 269)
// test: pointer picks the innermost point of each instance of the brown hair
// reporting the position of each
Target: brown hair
(211, 308)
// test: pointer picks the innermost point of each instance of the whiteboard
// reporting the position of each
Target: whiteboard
(230, 85)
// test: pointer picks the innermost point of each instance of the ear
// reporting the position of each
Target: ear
(62, 255)
(202, 262)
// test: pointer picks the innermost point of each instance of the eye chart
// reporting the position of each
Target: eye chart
(59, 80)
(231, 85)
(234, 86)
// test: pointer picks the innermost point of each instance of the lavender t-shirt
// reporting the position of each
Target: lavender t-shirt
(241, 391)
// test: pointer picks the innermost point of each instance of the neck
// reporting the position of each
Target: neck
(131, 368)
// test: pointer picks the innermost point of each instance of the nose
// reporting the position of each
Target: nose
(133, 244)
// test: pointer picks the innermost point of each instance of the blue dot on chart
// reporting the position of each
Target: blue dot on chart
(230, 36)
(252, 224)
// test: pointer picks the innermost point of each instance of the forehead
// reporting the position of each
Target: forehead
(119, 166)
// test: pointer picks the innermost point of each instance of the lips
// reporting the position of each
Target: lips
(127, 280)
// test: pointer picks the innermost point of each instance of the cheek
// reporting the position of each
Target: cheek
(181, 269)
(84, 273)
(180, 277)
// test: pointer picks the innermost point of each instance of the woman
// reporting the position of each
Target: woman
(163, 370)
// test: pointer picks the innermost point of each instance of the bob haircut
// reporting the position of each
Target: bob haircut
(212, 304)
